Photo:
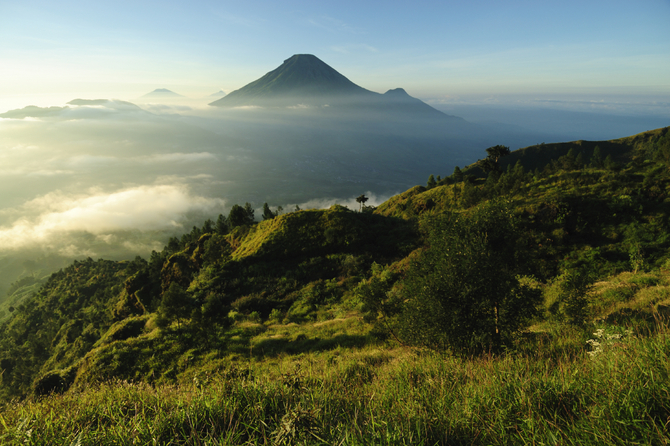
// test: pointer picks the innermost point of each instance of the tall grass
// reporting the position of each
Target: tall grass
(376, 395)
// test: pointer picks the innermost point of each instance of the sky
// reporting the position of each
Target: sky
(439, 51)
(113, 179)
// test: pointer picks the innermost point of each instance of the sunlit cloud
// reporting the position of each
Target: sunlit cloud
(48, 218)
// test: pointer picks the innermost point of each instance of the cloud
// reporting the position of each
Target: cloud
(77, 109)
(178, 157)
(48, 220)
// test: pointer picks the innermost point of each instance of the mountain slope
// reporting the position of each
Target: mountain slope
(302, 77)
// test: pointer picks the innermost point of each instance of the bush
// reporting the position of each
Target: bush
(463, 294)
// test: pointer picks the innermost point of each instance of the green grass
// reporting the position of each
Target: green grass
(375, 395)
(329, 382)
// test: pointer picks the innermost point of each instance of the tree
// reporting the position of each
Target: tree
(221, 226)
(575, 285)
(487, 165)
(361, 200)
(267, 213)
(463, 293)
(490, 163)
(431, 182)
(241, 216)
(457, 176)
(208, 226)
(597, 158)
(250, 212)
(497, 152)
(175, 306)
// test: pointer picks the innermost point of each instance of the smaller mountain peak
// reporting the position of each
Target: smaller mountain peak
(397, 92)
(162, 92)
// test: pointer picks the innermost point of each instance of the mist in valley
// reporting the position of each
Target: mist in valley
(116, 179)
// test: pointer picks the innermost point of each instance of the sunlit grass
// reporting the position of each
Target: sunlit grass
(374, 395)
(330, 382)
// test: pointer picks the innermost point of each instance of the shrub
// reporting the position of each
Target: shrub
(463, 293)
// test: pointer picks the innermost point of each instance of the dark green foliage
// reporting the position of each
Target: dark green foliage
(267, 213)
(131, 327)
(61, 322)
(431, 182)
(221, 226)
(217, 251)
(361, 199)
(463, 293)
(597, 158)
(457, 176)
(491, 162)
(574, 285)
(175, 306)
(487, 165)
(250, 212)
(610, 164)
(662, 150)
(55, 381)
(381, 299)
(241, 216)
(497, 152)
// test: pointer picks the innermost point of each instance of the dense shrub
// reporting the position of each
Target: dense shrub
(463, 293)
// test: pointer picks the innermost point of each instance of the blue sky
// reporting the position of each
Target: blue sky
(436, 50)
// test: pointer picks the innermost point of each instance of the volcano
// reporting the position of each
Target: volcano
(162, 93)
(304, 79)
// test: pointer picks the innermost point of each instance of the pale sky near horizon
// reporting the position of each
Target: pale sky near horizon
(439, 50)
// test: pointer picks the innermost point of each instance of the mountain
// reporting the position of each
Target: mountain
(162, 93)
(218, 94)
(302, 78)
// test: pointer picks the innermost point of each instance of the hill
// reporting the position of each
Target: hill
(313, 303)
(162, 93)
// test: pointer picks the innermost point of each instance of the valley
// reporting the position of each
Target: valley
(301, 328)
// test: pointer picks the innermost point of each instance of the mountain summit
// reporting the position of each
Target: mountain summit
(301, 79)
(161, 93)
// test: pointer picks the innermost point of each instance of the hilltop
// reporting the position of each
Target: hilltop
(304, 315)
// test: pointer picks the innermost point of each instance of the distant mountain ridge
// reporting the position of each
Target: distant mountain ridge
(162, 93)
(305, 79)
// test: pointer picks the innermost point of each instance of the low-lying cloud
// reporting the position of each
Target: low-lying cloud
(46, 220)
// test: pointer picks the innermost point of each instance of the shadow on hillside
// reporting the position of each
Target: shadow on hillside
(302, 344)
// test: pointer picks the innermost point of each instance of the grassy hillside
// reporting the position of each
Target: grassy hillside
(284, 332)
